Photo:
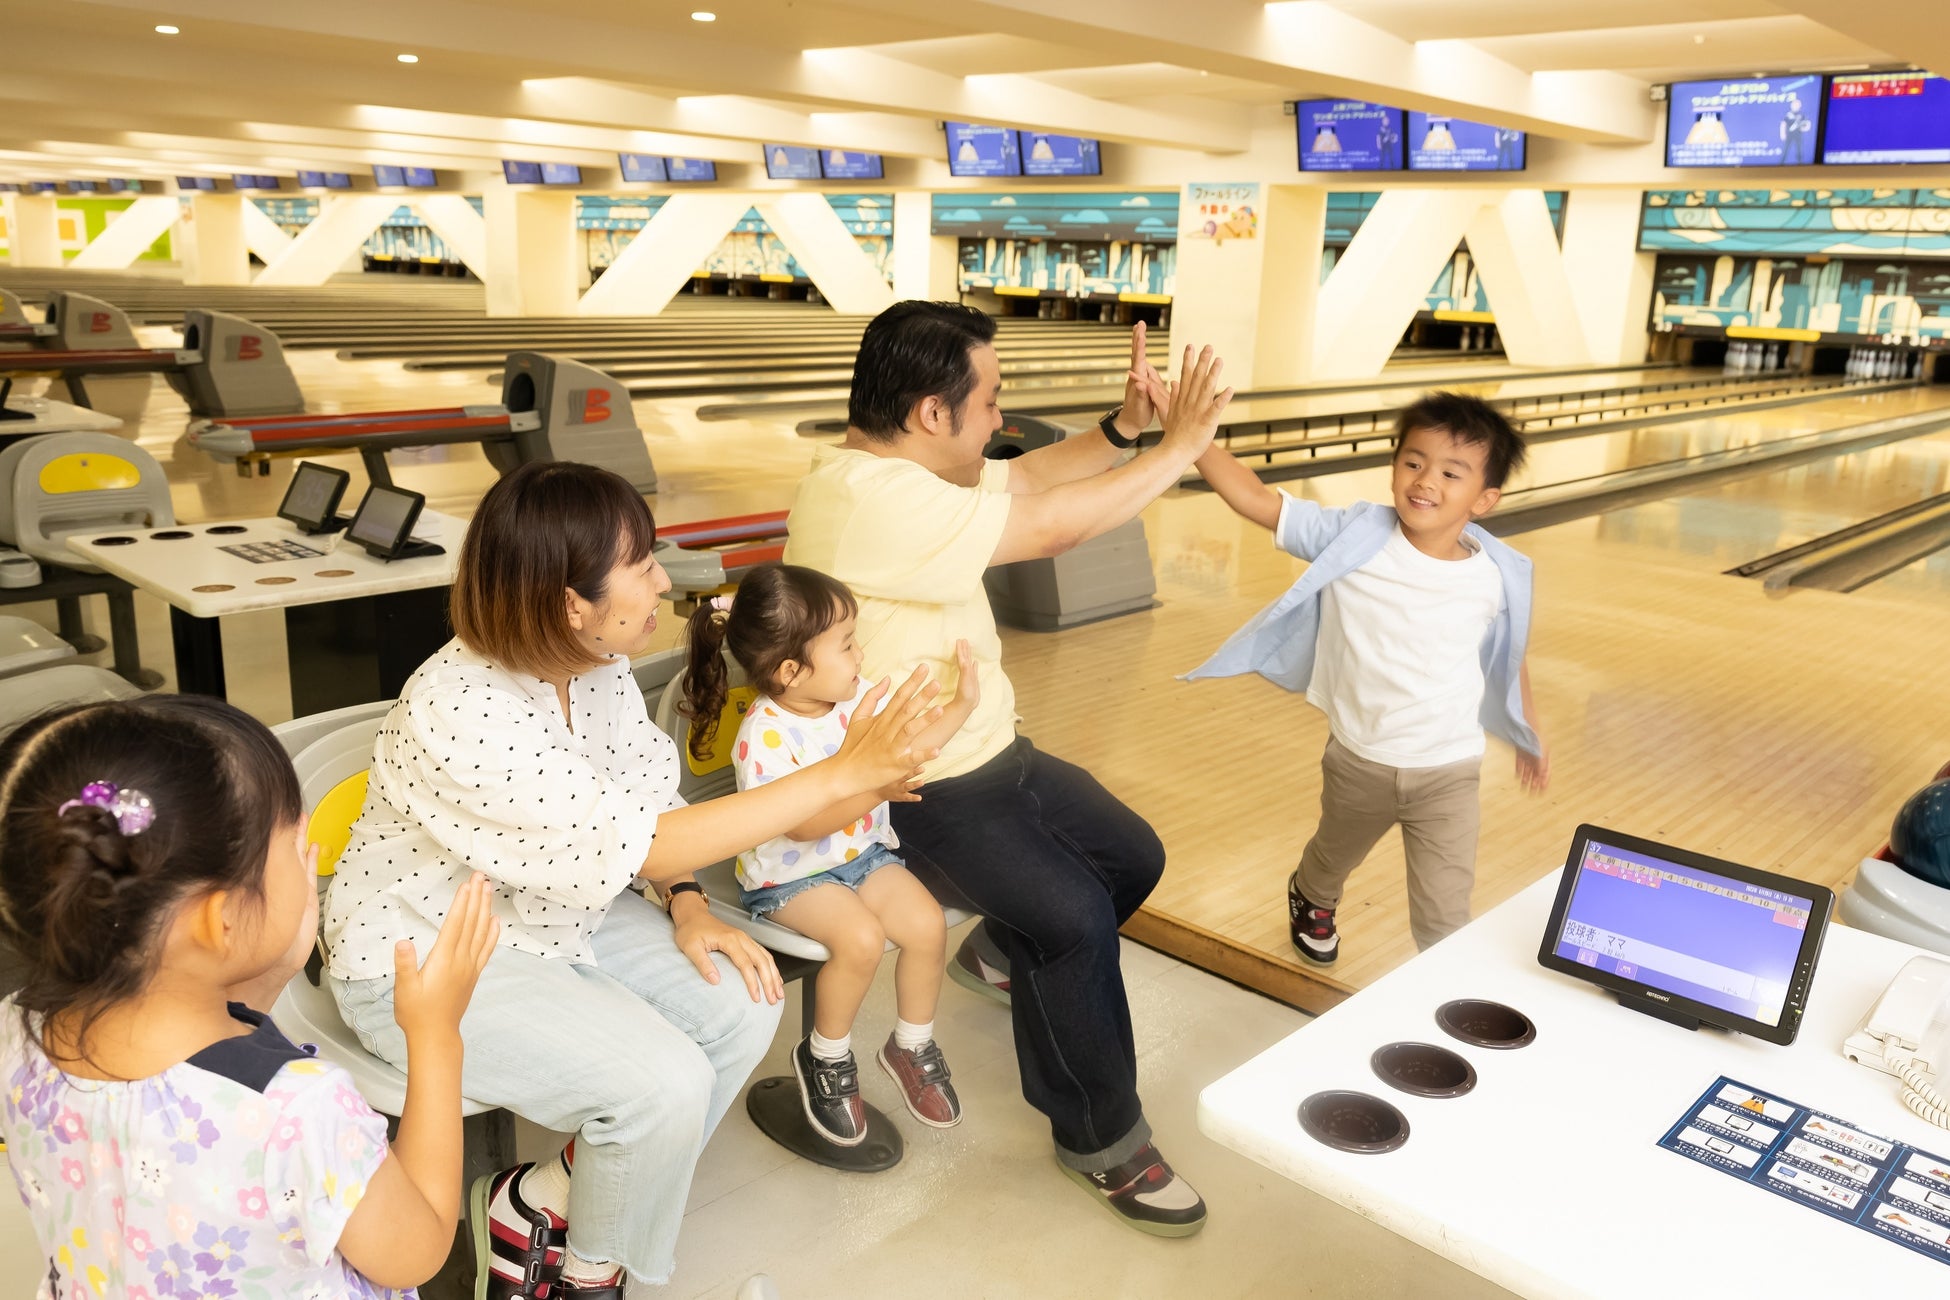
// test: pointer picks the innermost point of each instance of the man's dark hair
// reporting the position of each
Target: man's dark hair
(911, 351)
(1469, 420)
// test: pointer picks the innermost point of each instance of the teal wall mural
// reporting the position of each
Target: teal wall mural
(1871, 223)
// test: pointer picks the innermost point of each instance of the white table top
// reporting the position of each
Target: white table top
(196, 576)
(1547, 1178)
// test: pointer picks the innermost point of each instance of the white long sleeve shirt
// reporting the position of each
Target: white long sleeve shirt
(475, 769)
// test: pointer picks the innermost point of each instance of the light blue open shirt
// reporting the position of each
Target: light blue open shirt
(1280, 641)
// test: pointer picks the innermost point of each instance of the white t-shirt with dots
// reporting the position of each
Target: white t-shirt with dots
(475, 769)
(774, 742)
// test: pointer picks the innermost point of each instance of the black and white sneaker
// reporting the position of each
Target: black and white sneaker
(1145, 1194)
(1312, 927)
(830, 1092)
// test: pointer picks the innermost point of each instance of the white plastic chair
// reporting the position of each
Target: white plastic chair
(23, 696)
(27, 647)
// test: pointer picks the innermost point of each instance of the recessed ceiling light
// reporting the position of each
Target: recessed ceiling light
(165, 29)
(703, 16)
(1699, 40)
(409, 58)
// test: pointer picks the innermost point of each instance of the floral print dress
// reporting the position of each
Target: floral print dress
(227, 1177)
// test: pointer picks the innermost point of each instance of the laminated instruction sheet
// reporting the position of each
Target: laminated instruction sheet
(1881, 1186)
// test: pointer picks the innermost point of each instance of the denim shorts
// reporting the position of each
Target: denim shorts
(760, 902)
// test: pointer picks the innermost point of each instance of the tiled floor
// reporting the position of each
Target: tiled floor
(979, 1212)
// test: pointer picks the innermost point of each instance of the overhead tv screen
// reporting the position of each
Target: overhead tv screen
(1753, 122)
(1887, 117)
(84, 187)
(850, 165)
(1348, 135)
(561, 174)
(691, 169)
(784, 162)
(521, 173)
(1044, 154)
(196, 182)
(1439, 143)
(396, 176)
(642, 167)
(983, 150)
(420, 178)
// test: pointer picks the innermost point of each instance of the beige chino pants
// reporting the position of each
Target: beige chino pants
(1439, 812)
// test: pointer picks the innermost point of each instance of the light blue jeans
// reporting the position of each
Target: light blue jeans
(637, 1055)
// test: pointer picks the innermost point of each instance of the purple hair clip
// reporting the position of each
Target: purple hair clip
(132, 809)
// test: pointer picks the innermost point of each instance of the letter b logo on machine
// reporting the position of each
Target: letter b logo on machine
(99, 322)
(591, 405)
(246, 347)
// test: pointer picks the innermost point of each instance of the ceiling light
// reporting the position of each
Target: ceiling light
(409, 58)
(165, 29)
(703, 16)
(1699, 40)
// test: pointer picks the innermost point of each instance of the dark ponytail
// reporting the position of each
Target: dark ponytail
(84, 903)
(777, 613)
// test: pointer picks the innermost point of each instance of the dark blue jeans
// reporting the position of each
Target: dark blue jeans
(1056, 864)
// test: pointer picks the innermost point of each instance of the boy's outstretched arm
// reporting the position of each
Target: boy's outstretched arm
(1240, 487)
(1533, 770)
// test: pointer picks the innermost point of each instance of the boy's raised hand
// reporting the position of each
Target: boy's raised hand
(1194, 403)
(431, 999)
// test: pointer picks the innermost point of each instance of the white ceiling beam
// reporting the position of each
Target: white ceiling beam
(1919, 39)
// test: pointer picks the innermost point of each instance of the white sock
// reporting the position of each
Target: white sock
(546, 1186)
(581, 1272)
(829, 1049)
(912, 1038)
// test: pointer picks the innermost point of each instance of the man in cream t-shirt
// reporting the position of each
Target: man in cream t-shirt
(909, 515)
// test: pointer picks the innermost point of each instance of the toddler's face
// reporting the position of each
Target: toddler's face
(834, 673)
(1438, 482)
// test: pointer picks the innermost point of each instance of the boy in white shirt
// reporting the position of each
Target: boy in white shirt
(1408, 631)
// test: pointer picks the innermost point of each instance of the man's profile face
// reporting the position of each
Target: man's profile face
(980, 413)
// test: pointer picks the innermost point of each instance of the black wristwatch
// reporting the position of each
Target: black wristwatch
(683, 887)
(1109, 425)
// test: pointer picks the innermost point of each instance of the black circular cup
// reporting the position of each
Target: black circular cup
(1423, 1069)
(226, 530)
(1485, 1024)
(171, 535)
(113, 541)
(1353, 1121)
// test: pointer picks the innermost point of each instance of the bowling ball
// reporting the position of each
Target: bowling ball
(1920, 838)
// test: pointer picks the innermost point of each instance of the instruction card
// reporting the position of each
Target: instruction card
(1880, 1186)
(271, 552)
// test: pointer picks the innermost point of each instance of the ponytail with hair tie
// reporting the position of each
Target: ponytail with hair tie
(707, 682)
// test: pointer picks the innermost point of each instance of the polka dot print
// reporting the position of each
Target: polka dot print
(773, 740)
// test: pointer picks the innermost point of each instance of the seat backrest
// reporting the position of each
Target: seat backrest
(23, 696)
(711, 776)
(298, 734)
(63, 483)
(332, 778)
(653, 672)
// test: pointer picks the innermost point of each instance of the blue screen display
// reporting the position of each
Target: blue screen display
(983, 150)
(311, 180)
(338, 180)
(849, 165)
(642, 167)
(118, 186)
(397, 175)
(785, 162)
(84, 187)
(692, 169)
(1763, 122)
(49, 187)
(246, 181)
(1348, 135)
(421, 178)
(1887, 117)
(519, 173)
(561, 174)
(1044, 154)
(1438, 143)
(1685, 931)
(196, 182)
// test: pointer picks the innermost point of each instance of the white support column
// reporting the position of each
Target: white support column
(1613, 279)
(1252, 298)
(1515, 251)
(316, 255)
(531, 252)
(210, 241)
(33, 233)
(262, 235)
(1383, 278)
(661, 259)
(827, 251)
(129, 234)
(926, 265)
(460, 228)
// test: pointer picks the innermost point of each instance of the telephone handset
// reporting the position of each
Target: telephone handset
(1907, 1034)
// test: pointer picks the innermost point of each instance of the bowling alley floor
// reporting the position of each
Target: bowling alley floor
(1680, 703)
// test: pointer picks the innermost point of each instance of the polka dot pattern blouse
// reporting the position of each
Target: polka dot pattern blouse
(475, 769)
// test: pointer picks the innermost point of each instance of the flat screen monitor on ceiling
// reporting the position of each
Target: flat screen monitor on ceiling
(1348, 135)
(642, 167)
(391, 177)
(983, 150)
(1887, 117)
(338, 180)
(122, 185)
(311, 180)
(561, 174)
(1044, 154)
(691, 169)
(785, 162)
(43, 187)
(849, 165)
(1755, 122)
(421, 178)
(1440, 143)
(196, 182)
(84, 187)
(245, 181)
(521, 173)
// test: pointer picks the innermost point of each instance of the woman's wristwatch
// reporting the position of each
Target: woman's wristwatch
(683, 887)
(1109, 425)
